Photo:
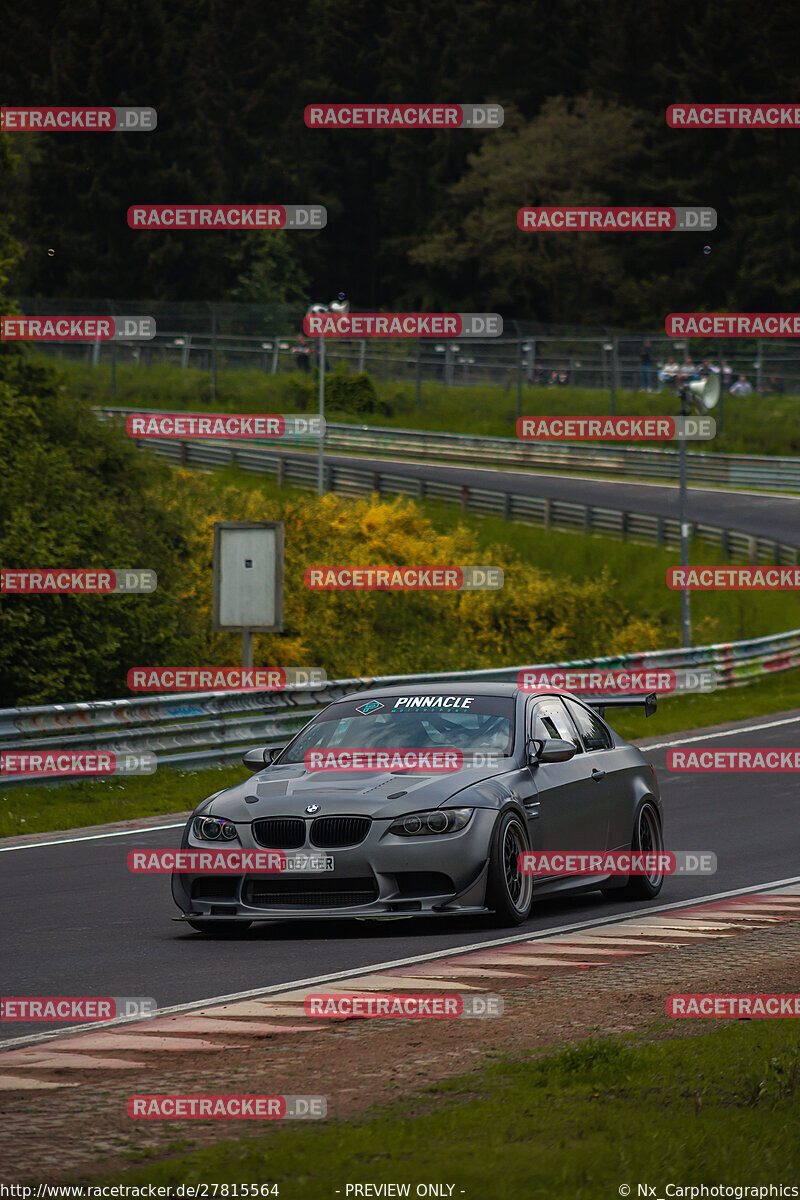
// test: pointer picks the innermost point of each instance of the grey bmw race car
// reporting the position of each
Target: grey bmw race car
(541, 771)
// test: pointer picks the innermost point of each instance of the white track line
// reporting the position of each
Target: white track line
(722, 733)
(524, 473)
(92, 837)
(351, 973)
(682, 741)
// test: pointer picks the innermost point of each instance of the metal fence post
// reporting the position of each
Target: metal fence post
(213, 351)
(112, 308)
(418, 376)
(321, 441)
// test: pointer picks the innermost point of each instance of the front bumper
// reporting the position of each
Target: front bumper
(384, 876)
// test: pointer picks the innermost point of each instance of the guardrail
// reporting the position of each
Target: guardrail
(511, 506)
(732, 470)
(203, 729)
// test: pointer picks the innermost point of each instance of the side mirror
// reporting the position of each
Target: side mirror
(550, 750)
(534, 750)
(254, 760)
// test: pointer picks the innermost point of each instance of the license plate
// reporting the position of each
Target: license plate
(308, 862)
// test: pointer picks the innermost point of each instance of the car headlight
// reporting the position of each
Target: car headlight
(423, 824)
(213, 829)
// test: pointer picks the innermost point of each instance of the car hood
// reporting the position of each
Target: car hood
(286, 791)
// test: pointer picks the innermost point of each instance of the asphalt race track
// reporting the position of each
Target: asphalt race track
(83, 925)
(762, 515)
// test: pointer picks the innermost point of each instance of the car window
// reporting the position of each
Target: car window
(591, 728)
(469, 723)
(550, 720)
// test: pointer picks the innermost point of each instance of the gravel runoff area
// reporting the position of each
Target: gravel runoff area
(61, 1117)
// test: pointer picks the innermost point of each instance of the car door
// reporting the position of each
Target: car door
(605, 761)
(571, 810)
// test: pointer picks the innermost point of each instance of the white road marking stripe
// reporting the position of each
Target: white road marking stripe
(674, 933)
(685, 924)
(711, 492)
(706, 737)
(584, 948)
(131, 1040)
(275, 989)
(10, 1083)
(92, 837)
(588, 942)
(55, 1060)
(736, 918)
(534, 960)
(384, 983)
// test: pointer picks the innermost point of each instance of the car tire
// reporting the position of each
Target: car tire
(508, 893)
(647, 836)
(219, 929)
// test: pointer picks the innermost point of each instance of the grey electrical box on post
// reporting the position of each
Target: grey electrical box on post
(248, 576)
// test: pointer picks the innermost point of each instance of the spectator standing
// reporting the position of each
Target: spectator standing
(669, 372)
(302, 353)
(741, 387)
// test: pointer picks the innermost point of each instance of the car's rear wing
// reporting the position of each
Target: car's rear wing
(601, 703)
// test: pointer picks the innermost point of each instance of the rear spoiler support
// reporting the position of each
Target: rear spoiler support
(601, 703)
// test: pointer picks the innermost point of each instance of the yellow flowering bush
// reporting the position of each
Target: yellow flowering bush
(535, 617)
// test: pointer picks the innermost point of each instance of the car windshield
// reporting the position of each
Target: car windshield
(462, 722)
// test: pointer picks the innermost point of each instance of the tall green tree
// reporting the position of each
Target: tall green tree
(273, 275)
(572, 153)
(231, 82)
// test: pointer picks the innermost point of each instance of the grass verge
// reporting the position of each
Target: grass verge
(639, 571)
(585, 1122)
(45, 807)
(39, 809)
(754, 424)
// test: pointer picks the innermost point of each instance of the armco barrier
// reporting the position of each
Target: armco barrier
(534, 510)
(655, 462)
(732, 470)
(210, 728)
